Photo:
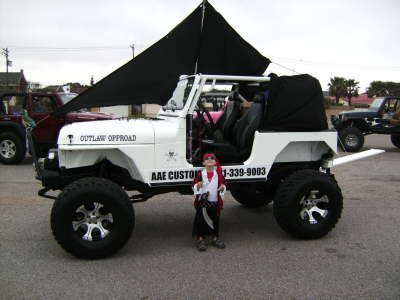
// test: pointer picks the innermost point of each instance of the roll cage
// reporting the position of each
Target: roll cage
(193, 102)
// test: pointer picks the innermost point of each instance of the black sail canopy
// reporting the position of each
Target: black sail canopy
(203, 43)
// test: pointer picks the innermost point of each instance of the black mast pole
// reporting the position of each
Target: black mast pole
(201, 31)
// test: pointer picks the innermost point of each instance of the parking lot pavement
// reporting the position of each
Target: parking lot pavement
(358, 259)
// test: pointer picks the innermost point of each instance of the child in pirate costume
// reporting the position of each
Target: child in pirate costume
(209, 188)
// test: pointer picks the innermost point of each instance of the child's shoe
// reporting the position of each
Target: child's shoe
(218, 243)
(201, 245)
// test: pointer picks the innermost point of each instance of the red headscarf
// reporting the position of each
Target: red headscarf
(219, 169)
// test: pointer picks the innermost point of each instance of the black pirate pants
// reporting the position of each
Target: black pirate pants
(201, 228)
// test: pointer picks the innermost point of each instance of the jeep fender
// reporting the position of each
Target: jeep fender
(135, 159)
(13, 127)
(292, 147)
(359, 123)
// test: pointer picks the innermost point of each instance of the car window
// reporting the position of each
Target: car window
(391, 105)
(67, 97)
(13, 105)
(376, 104)
(43, 104)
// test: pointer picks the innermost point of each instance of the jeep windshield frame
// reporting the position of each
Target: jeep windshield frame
(224, 80)
(190, 97)
(376, 104)
(182, 95)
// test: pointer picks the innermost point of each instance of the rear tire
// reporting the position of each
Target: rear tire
(352, 139)
(308, 204)
(395, 138)
(252, 195)
(12, 148)
(92, 218)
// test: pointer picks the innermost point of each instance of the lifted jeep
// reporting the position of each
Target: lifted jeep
(96, 163)
(352, 126)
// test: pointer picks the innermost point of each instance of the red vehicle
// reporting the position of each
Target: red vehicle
(14, 110)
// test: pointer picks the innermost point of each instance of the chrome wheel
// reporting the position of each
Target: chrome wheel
(312, 207)
(8, 149)
(92, 222)
(308, 204)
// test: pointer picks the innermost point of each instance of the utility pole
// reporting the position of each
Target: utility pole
(8, 62)
(133, 50)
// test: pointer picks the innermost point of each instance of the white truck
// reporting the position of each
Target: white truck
(96, 164)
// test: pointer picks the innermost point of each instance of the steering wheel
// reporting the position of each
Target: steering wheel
(200, 114)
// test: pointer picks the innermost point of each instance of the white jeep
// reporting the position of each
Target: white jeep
(96, 163)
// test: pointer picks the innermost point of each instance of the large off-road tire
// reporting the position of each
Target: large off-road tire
(308, 204)
(12, 148)
(92, 218)
(252, 195)
(351, 139)
(395, 138)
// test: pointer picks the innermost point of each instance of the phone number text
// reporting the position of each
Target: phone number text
(239, 172)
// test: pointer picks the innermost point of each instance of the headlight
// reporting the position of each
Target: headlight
(52, 154)
(51, 162)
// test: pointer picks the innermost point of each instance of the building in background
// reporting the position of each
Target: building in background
(362, 99)
(13, 82)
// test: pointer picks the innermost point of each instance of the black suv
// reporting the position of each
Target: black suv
(381, 118)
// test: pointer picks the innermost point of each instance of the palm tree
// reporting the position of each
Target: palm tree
(337, 88)
(351, 89)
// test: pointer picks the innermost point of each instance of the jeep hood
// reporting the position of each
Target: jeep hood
(365, 113)
(109, 132)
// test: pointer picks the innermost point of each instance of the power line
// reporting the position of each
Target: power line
(51, 49)
(67, 48)
(335, 64)
(77, 48)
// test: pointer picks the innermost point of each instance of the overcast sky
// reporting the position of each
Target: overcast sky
(55, 42)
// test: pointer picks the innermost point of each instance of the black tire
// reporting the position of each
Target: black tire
(352, 139)
(12, 148)
(75, 207)
(308, 193)
(395, 138)
(252, 195)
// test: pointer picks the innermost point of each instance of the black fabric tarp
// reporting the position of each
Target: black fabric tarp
(152, 76)
(295, 103)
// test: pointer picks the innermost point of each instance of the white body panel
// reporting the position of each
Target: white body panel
(108, 132)
(158, 153)
(154, 151)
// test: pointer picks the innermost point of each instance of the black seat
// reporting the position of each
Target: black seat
(225, 124)
(239, 148)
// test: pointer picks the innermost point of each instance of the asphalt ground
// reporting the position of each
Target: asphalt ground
(359, 259)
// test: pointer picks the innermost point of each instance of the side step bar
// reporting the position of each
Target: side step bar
(349, 158)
